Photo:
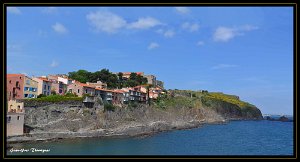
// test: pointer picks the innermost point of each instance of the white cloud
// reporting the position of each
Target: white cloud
(223, 66)
(182, 10)
(153, 45)
(166, 33)
(144, 23)
(106, 21)
(59, 28)
(200, 43)
(13, 10)
(169, 34)
(54, 63)
(192, 27)
(224, 34)
(50, 10)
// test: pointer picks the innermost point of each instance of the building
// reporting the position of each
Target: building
(105, 94)
(44, 86)
(143, 92)
(30, 88)
(80, 89)
(151, 79)
(126, 95)
(20, 86)
(160, 84)
(118, 97)
(15, 118)
(15, 86)
(99, 84)
(126, 75)
(61, 78)
(57, 86)
(134, 95)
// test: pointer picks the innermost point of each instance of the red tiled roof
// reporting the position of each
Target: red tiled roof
(106, 90)
(44, 79)
(14, 75)
(128, 73)
(85, 85)
(118, 91)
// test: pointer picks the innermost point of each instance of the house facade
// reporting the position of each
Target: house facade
(118, 97)
(98, 84)
(15, 86)
(44, 86)
(105, 94)
(80, 89)
(15, 118)
(30, 88)
(143, 93)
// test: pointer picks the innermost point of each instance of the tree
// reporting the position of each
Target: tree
(82, 76)
(53, 92)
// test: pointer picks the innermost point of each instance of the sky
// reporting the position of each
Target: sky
(245, 51)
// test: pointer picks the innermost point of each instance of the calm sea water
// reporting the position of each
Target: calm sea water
(234, 138)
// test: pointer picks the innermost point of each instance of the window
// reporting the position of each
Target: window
(10, 81)
(44, 86)
(86, 90)
(28, 82)
(25, 95)
(48, 87)
(19, 107)
(34, 89)
(8, 119)
(26, 88)
(48, 93)
(17, 84)
(78, 90)
(44, 92)
(60, 91)
(18, 118)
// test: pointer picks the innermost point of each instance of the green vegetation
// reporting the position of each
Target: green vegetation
(104, 75)
(53, 92)
(226, 98)
(56, 98)
(41, 95)
(109, 107)
(70, 94)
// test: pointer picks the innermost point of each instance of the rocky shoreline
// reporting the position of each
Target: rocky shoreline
(69, 120)
(127, 132)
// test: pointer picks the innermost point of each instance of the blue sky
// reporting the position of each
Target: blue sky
(246, 51)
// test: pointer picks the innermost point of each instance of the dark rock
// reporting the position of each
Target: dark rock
(283, 119)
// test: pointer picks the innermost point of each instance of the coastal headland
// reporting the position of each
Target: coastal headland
(178, 109)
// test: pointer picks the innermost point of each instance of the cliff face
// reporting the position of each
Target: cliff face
(231, 111)
(180, 111)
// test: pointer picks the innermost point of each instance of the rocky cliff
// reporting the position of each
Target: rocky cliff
(177, 110)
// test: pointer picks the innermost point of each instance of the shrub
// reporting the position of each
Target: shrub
(41, 95)
(53, 92)
(70, 95)
(57, 98)
(109, 107)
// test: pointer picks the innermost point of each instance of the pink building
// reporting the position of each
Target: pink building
(80, 89)
(15, 84)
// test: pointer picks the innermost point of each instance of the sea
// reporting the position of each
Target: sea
(271, 138)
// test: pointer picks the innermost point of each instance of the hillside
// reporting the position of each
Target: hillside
(178, 109)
